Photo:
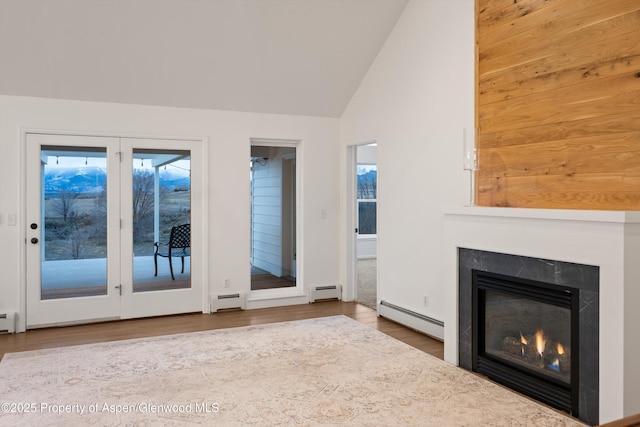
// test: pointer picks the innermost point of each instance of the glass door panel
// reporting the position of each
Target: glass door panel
(161, 189)
(74, 223)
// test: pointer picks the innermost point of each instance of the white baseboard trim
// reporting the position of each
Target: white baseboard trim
(425, 324)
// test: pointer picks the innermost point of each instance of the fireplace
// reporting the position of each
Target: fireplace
(593, 251)
(525, 336)
(519, 284)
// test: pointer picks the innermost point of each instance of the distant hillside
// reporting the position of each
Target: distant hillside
(174, 179)
(368, 176)
(368, 185)
(76, 180)
(91, 179)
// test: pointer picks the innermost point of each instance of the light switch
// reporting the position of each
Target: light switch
(323, 213)
(12, 219)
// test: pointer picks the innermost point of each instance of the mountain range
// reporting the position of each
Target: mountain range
(91, 179)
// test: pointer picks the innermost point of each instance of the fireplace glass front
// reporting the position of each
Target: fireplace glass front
(525, 337)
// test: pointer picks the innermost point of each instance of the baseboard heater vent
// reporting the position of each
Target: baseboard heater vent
(325, 292)
(8, 322)
(223, 302)
(417, 321)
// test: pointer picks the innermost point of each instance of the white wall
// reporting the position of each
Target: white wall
(415, 101)
(228, 135)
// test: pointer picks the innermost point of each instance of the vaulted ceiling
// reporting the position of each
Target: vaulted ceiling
(303, 57)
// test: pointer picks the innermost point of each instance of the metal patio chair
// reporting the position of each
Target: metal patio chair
(179, 245)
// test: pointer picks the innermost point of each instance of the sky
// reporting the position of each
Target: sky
(181, 167)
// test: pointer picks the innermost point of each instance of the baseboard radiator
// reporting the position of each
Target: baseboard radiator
(8, 322)
(325, 292)
(420, 322)
(227, 301)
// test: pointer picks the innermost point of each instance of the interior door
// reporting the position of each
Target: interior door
(366, 225)
(97, 210)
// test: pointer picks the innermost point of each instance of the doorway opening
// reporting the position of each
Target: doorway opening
(273, 216)
(366, 176)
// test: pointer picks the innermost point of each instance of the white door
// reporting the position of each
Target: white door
(362, 205)
(176, 286)
(95, 208)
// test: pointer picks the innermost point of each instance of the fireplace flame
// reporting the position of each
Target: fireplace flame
(541, 341)
(536, 350)
(523, 340)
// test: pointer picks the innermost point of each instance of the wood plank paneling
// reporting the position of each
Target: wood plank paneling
(495, 13)
(563, 105)
(573, 156)
(558, 103)
(600, 126)
(561, 70)
(534, 18)
(559, 37)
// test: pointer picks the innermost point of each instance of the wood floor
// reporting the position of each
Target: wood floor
(139, 328)
(269, 281)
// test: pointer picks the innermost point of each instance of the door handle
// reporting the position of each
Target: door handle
(119, 288)
(34, 240)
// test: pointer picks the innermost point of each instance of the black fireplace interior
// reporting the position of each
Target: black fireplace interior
(525, 336)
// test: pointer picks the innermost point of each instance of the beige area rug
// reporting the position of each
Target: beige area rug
(318, 372)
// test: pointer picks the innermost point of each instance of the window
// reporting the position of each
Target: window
(367, 179)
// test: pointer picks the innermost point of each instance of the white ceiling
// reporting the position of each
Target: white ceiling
(303, 57)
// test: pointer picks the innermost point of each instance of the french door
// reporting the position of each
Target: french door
(100, 211)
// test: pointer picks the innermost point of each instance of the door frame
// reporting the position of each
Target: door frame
(289, 217)
(351, 219)
(299, 289)
(199, 202)
(351, 204)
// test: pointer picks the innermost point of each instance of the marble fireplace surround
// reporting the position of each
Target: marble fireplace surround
(608, 240)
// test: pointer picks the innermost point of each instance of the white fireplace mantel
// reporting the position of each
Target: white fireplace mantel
(607, 239)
